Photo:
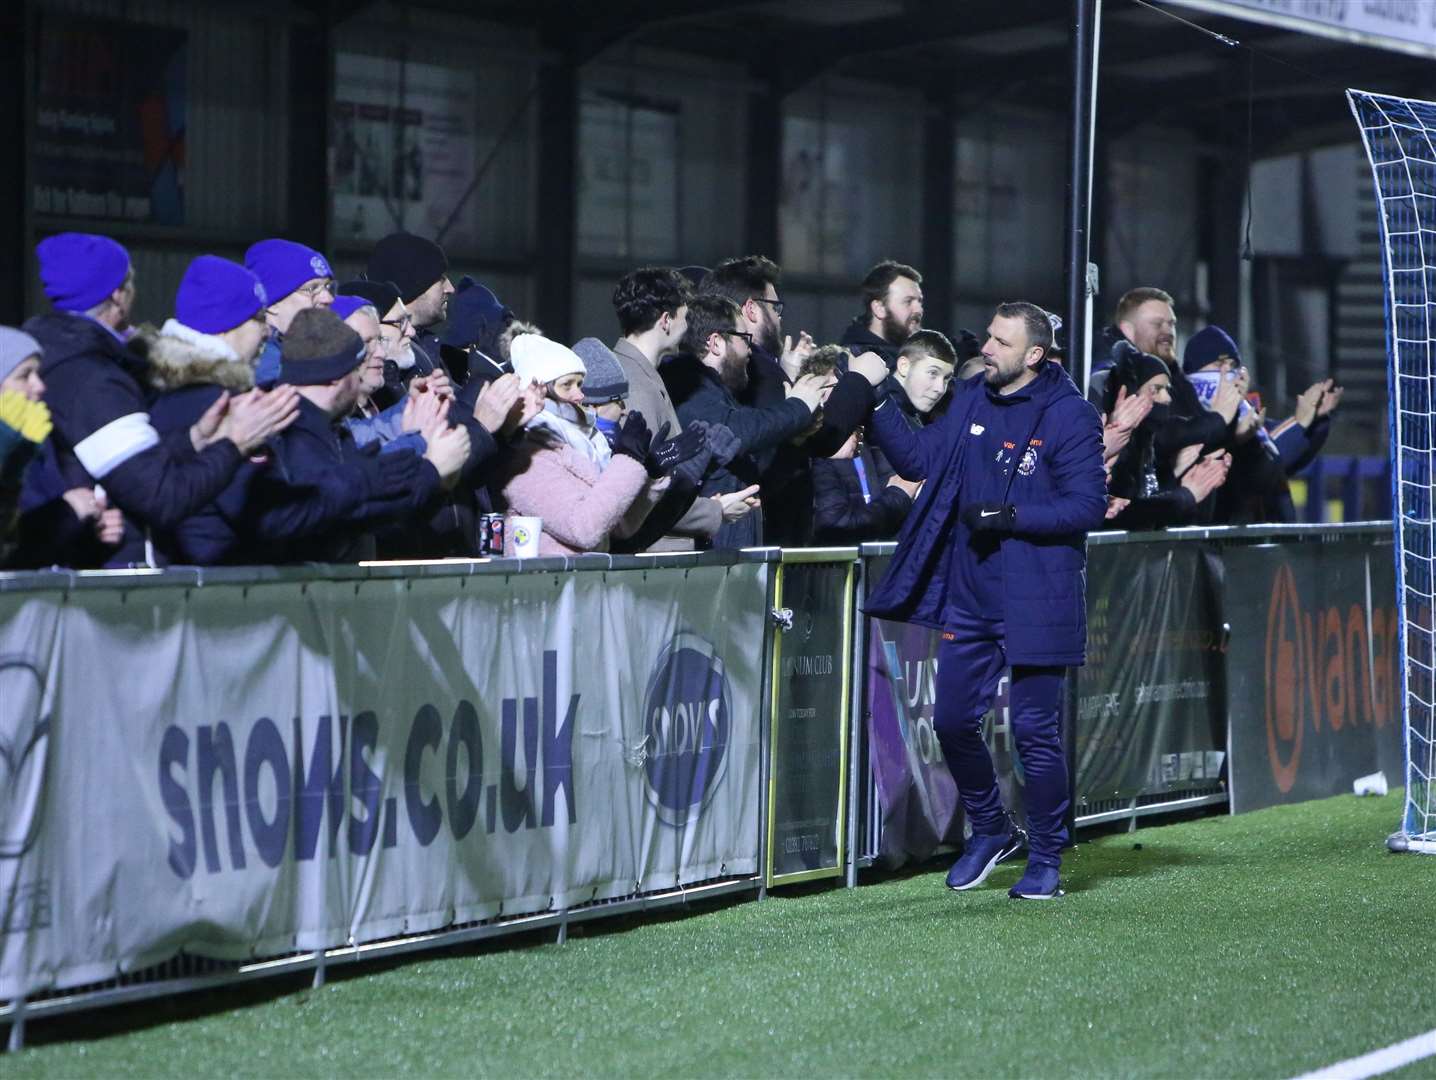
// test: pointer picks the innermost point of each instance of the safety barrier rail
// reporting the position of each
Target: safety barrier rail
(283, 769)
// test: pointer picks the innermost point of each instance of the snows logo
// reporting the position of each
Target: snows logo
(24, 747)
(687, 722)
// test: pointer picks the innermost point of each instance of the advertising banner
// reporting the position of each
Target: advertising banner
(810, 723)
(301, 766)
(1314, 684)
(109, 120)
(918, 797)
(1402, 25)
(1149, 700)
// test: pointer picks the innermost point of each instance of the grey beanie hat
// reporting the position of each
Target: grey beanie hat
(605, 380)
(16, 346)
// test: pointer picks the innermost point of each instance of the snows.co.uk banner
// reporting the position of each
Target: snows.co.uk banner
(248, 771)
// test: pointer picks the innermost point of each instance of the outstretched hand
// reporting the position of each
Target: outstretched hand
(665, 454)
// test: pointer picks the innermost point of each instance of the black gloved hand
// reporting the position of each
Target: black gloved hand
(633, 438)
(665, 454)
(990, 517)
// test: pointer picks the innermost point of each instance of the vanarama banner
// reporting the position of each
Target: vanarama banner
(248, 771)
(1313, 669)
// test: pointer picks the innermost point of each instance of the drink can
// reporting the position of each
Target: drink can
(491, 534)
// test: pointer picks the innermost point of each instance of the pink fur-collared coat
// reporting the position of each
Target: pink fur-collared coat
(580, 504)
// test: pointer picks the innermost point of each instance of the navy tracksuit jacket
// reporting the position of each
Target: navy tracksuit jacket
(1015, 600)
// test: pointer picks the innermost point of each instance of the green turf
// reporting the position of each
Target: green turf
(1261, 945)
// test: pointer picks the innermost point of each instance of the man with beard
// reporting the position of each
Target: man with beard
(704, 382)
(892, 312)
(776, 361)
(751, 282)
(1145, 318)
(993, 557)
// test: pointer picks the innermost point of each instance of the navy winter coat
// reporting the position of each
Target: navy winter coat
(858, 339)
(699, 394)
(100, 407)
(333, 520)
(841, 515)
(1059, 498)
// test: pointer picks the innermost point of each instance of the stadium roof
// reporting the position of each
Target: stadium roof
(1154, 67)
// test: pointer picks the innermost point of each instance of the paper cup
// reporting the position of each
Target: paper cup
(525, 531)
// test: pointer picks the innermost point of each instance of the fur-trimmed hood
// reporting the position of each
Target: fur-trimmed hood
(179, 356)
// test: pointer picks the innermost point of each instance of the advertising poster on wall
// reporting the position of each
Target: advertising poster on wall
(403, 149)
(820, 204)
(628, 179)
(109, 120)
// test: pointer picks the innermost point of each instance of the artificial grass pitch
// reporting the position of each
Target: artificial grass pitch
(1263, 945)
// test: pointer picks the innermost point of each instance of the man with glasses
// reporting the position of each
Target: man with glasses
(419, 269)
(786, 469)
(400, 426)
(704, 382)
(295, 277)
(396, 332)
(751, 282)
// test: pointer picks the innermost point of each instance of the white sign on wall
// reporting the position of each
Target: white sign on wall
(403, 148)
(1402, 25)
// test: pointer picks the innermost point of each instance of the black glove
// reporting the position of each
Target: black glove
(633, 438)
(665, 454)
(990, 517)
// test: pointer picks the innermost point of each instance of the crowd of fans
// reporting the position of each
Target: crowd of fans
(280, 416)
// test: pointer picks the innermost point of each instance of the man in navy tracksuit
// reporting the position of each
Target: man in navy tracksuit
(994, 556)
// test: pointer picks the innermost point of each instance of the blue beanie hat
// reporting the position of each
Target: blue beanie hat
(346, 305)
(79, 270)
(475, 315)
(1207, 346)
(216, 295)
(283, 266)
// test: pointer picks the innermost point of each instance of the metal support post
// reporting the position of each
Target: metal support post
(16, 1041)
(856, 732)
(1085, 47)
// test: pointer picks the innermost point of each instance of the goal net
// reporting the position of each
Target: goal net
(1400, 139)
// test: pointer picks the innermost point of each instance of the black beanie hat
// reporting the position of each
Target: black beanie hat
(1132, 370)
(966, 347)
(382, 294)
(411, 262)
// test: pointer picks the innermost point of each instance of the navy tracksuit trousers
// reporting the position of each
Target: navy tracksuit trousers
(970, 664)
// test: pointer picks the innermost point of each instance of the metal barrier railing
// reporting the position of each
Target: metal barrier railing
(839, 785)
